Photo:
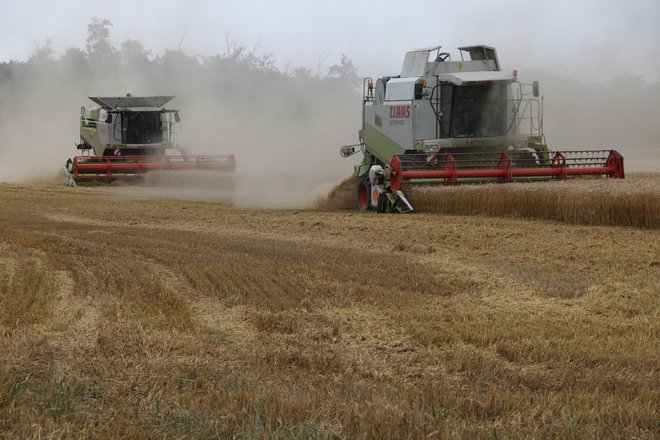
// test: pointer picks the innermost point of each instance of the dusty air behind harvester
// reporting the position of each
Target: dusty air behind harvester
(444, 121)
(122, 138)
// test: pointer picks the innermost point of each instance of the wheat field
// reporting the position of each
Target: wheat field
(634, 201)
(129, 313)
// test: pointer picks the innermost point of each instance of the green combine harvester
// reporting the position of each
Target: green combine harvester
(122, 138)
(443, 122)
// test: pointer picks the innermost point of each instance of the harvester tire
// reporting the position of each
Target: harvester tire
(363, 193)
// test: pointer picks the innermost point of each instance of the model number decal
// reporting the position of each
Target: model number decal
(399, 111)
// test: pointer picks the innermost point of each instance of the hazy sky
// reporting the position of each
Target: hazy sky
(590, 39)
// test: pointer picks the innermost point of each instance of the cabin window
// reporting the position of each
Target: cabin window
(478, 111)
(141, 128)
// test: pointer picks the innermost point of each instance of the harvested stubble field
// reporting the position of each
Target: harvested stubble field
(125, 312)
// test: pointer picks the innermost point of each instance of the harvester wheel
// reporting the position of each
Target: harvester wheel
(363, 193)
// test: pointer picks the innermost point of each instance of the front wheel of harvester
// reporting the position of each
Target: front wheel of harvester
(363, 193)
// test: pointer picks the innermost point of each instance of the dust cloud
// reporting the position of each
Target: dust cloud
(284, 128)
(619, 114)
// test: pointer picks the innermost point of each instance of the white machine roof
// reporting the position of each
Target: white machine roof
(131, 101)
(461, 78)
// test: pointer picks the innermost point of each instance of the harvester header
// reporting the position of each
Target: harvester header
(124, 137)
(445, 121)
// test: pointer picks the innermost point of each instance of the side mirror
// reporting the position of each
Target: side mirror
(535, 89)
(177, 118)
(348, 150)
(108, 119)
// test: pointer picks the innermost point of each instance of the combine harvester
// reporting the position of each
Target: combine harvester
(125, 137)
(444, 121)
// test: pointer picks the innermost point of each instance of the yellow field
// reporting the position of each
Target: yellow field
(126, 312)
(634, 201)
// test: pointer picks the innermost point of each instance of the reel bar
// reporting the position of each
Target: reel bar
(107, 167)
(451, 168)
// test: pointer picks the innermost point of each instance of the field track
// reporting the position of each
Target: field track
(127, 312)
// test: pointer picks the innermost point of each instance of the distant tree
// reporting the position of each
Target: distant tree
(233, 48)
(43, 52)
(8, 74)
(75, 57)
(175, 64)
(236, 52)
(75, 64)
(345, 71)
(264, 62)
(320, 60)
(302, 73)
(99, 48)
(133, 54)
